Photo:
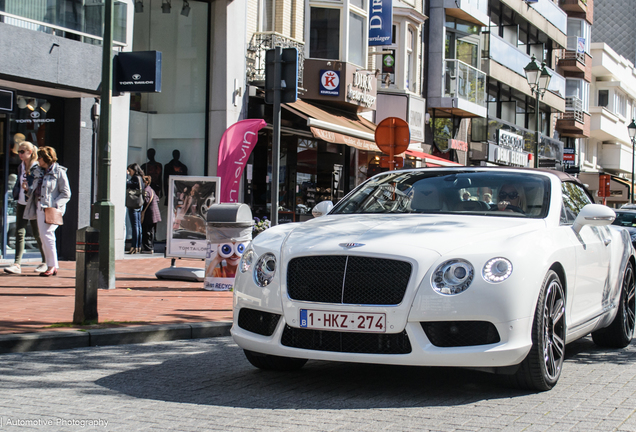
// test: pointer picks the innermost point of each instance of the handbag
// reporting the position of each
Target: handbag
(53, 216)
(135, 197)
(143, 213)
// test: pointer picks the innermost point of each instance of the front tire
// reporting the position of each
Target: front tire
(619, 333)
(541, 368)
(272, 362)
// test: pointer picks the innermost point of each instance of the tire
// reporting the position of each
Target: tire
(619, 333)
(275, 363)
(541, 368)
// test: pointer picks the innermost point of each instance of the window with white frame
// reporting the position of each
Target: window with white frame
(338, 30)
(410, 67)
(620, 103)
(579, 28)
(266, 15)
(580, 89)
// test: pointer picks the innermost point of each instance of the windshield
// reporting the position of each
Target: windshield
(488, 193)
(625, 219)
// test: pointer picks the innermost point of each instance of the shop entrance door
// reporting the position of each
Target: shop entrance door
(4, 142)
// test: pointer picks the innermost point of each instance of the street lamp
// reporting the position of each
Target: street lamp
(538, 79)
(632, 135)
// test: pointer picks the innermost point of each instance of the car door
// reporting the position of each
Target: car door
(592, 253)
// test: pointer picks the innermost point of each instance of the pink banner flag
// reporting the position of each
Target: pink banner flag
(235, 148)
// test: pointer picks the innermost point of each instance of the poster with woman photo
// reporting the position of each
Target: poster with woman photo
(189, 199)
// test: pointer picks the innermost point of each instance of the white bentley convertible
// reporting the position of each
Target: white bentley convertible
(420, 267)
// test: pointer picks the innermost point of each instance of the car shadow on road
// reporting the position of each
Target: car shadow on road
(223, 377)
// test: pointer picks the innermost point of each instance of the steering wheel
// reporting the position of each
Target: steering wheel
(514, 209)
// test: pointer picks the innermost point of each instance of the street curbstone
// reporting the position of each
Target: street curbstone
(44, 341)
(58, 340)
(140, 334)
(210, 329)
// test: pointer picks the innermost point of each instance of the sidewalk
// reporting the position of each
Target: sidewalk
(142, 307)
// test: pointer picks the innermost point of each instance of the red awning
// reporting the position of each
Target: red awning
(432, 161)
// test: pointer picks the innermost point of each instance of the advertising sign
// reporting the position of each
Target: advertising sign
(568, 156)
(330, 83)
(380, 22)
(138, 71)
(189, 199)
(580, 45)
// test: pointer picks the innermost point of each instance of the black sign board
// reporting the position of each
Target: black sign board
(138, 72)
(7, 100)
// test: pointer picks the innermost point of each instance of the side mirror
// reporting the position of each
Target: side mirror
(593, 215)
(322, 208)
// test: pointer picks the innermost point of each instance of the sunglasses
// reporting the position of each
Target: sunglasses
(21, 151)
(510, 195)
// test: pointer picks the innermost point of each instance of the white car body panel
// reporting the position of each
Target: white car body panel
(596, 257)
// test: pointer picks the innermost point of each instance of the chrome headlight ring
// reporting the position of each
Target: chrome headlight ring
(497, 270)
(265, 269)
(247, 259)
(452, 277)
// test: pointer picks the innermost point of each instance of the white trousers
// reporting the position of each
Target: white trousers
(47, 235)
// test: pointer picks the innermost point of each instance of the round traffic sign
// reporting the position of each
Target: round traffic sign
(393, 136)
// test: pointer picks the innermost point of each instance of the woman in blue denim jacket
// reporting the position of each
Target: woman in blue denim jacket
(27, 171)
(51, 189)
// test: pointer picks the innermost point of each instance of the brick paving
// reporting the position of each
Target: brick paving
(30, 303)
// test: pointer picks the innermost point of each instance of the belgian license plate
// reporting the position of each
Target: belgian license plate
(343, 321)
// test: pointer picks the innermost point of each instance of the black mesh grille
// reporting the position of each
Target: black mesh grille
(373, 281)
(346, 342)
(262, 323)
(460, 333)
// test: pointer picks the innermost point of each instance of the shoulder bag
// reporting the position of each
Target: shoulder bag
(135, 197)
(53, 216)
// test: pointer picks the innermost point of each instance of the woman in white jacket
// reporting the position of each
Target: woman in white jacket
(51, 190)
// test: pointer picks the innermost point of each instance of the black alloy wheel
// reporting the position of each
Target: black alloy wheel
(541, 368)
(620, 332)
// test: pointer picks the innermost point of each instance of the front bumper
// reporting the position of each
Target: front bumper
(512, 348)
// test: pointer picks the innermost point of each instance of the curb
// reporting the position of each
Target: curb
(58, 340)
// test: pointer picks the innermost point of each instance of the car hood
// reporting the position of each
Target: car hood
(396, 234)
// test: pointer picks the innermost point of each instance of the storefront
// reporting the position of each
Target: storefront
(38, 119)
(496, 142)
(327, 146)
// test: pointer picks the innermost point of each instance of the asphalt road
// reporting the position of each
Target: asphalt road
(206, 384)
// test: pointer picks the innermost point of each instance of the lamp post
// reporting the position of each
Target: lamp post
(538, 79)
(632, 135)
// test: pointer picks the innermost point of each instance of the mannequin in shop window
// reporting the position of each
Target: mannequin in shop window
(174, 167)
(153, 169)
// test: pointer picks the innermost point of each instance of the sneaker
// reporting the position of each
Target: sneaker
(41, 268)
(14, 269)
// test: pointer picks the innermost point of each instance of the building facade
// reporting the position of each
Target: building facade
(50, 65)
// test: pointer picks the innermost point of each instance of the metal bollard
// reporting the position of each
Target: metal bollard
(86, 275)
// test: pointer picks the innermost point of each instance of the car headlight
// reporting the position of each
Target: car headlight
(453, 277)
(246, 260)
(265, 270)
(497, 270)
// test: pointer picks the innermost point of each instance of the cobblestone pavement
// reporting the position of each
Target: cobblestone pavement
(206, 384)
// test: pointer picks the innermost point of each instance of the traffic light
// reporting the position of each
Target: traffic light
(288, 74)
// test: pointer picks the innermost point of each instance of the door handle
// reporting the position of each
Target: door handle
(607, 241)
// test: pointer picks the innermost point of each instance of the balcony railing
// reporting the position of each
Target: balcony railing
(511, 57)
(553, 13)
(573, 109)
(263, 41)
(464, 81)
(65, 19)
